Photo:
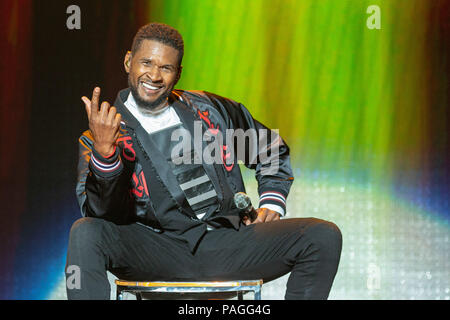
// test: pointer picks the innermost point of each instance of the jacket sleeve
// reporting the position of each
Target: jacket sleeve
(102, 185)
(265, 152)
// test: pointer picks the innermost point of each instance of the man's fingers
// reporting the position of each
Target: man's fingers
(116, 124)
(117, 119)
(261, 216)
(95, 98)
(266, 215)
(92, 105)
(111, 115)
(86, 101)
(87, 105)
(104, 108)
(272, 217)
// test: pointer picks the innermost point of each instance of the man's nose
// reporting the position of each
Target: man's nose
(154, 73)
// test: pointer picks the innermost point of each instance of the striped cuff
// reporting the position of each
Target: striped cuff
(273, 198)
(106, 167)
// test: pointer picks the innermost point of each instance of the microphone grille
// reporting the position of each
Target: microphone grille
(242, 200)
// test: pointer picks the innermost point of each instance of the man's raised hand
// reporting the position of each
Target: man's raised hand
(104, 123)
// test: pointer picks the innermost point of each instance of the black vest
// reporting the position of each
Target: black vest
(190, 174)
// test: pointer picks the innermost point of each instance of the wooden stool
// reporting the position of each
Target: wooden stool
(167, 290)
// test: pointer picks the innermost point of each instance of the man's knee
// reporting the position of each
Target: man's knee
(86, 231)
(325, 235)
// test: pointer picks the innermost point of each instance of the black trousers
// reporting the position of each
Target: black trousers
(308, 248)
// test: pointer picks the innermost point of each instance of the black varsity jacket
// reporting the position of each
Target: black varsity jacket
(135, 183)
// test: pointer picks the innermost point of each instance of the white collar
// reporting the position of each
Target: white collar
(131, 103)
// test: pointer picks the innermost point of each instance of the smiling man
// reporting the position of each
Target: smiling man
(149, 217)
(154, 68)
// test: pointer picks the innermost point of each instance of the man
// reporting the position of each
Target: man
(155, 211)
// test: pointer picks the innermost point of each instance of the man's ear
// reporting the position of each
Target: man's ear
(180, 68)
(127, 61)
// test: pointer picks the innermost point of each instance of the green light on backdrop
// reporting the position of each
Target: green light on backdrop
(342, 95)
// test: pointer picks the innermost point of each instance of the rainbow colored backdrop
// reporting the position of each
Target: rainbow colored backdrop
(364, 111)
(344, 96)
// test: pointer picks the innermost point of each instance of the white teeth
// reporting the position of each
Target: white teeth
(149, 86)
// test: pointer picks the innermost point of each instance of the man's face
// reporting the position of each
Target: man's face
(153, 70)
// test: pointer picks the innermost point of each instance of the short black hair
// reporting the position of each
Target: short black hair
(160, 32)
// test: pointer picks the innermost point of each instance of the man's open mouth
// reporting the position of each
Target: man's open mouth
(150, 87)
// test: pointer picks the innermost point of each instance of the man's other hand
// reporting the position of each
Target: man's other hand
(264, 215)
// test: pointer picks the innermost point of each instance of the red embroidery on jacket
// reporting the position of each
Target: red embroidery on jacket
(205, 117)
(126, 143)
(214, 129)
(226, 155)
(140, 185)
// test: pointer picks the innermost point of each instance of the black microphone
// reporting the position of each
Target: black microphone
(243, 202)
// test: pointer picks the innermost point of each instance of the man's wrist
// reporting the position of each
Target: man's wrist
(106, 151)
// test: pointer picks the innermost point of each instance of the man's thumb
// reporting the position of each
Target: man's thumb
(87, 105)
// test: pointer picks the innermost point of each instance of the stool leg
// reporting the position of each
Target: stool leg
(138, 295)
(240, 296)
(258, 293)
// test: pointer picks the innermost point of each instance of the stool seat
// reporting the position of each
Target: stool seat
(169, 288)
